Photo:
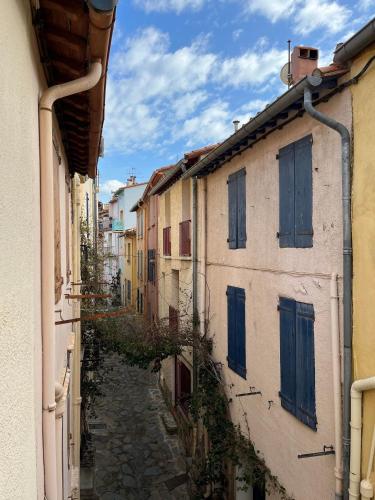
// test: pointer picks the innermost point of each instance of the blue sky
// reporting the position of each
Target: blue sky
(181, 71)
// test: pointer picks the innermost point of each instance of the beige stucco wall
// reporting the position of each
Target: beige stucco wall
(266, 272)
(21, 464)
(20, 347)
(363, 210)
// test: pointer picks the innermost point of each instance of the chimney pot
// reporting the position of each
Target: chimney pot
(236, 124)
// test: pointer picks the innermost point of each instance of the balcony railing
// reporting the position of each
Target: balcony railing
(167, 250)
(117, 225)
(185, 238)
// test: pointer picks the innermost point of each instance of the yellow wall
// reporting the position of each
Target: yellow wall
(364, 238)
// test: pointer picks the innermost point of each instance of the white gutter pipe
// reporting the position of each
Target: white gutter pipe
(47, 100)
(336, 367)
(367, 488)
(358, 387)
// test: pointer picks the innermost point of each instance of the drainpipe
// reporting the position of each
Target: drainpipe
(336, 368)
(195, 283)
(60, 403)
(347, 265)
(358, 387)
(47, 100)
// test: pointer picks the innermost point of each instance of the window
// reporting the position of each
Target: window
(237, 209)
(297, 364)
(129, 252)
(185, 238)
(236, 330)
(295, 195)
(129, 290)
(151, 265)
(167, 249)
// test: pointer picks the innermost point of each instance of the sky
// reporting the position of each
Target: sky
(180, 71)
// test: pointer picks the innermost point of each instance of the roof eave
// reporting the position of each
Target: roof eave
(358, 42)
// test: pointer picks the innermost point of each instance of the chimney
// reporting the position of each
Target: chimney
(131, 181)
(303, 62)
(236, 124)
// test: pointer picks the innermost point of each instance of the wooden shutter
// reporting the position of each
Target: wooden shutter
(303, 193)
(57, 226)
(241, 209)
(287, 309)
(232, 211)
(286, 196)
(231, 318)
(240, 332)
(305, 364)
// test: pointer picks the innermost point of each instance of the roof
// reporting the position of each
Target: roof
(182, 166)
(358, 42)
(280, 112)
(122, 188)
(154, 179)
(72, 34)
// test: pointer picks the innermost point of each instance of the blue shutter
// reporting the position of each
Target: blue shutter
(286, 196)
(287, 309)
(232, 211)
(231, 319)
(303, 193)
(241, 209)
(240, 332)
(305, 364)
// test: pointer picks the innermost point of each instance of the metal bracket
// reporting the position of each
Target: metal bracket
(251, 393)
(327, 450)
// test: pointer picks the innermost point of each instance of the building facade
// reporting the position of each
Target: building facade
(40, 266)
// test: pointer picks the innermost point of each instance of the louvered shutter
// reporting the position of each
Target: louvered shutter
(305, 364)
(240, 332)
(286, 196)
(241, 209)
(231, 319)
(287, 309)
(232, 211)
(303, 193)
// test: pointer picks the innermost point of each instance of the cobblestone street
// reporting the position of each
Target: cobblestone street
(136, 458)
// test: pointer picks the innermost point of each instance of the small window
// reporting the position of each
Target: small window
(236, 330)
(295, 195)
(237, 209)
(151, 265)
(129, 290)
(297, 362)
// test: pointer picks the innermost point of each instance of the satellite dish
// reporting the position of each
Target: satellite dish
(284, 74)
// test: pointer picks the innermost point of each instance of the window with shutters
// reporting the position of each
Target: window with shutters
(295, 195)
(297, 362)
(236, 330)
(151, 265)
(237, 209)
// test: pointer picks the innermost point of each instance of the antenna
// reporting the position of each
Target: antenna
(286, 71)
(289, 72)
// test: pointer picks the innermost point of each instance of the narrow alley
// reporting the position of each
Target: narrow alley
(136, 458)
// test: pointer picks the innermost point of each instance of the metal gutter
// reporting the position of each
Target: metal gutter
(165, 180)
(283, 102)
(356, 43)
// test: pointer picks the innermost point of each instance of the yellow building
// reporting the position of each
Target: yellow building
(358, 52)
(128, 276)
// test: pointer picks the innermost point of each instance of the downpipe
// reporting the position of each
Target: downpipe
(46, 103)
(195, 283)
(347, 268)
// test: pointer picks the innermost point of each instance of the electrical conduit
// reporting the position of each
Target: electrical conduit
(47, 100)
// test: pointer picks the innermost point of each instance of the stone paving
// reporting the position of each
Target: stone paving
(136, 459)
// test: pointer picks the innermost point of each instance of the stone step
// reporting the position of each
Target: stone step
(169, 423)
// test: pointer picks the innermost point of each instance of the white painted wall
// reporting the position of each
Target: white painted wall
(266, 272)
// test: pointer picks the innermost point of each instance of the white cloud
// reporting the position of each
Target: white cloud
(169, 5)
(305, 15)
(366, 4)
(237, 33)
(108, 187)
(274, 10)
(321, 14)
(251, 68)
(153, 90)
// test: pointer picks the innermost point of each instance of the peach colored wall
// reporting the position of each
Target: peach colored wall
(266, 272)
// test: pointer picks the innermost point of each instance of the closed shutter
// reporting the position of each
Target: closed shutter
(286, 196)
(231, 318)
(305, 364)
(232, 211)
(287, 309)
(240, 332)
(241, 209)
(236, 330)
(303, 193)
